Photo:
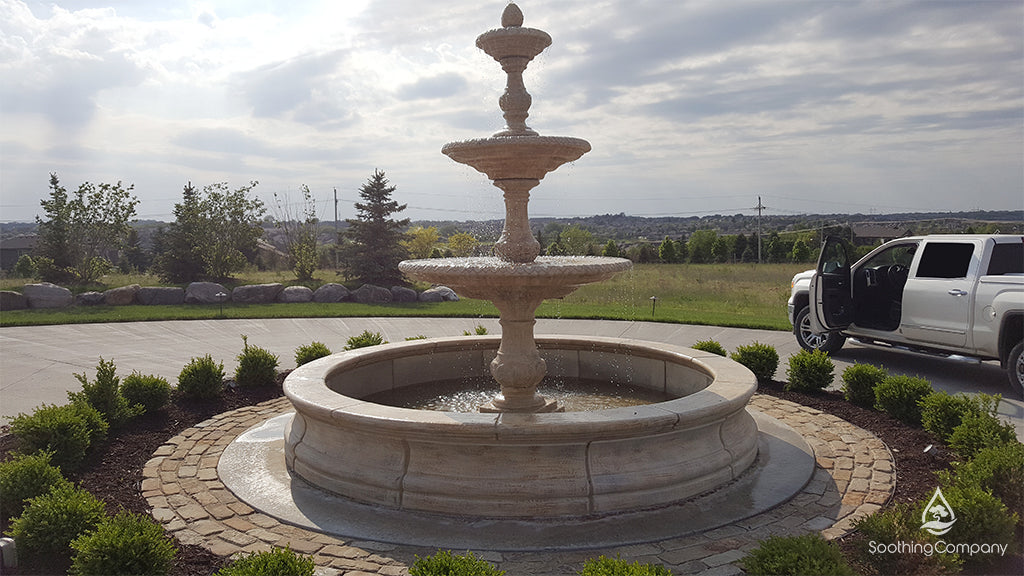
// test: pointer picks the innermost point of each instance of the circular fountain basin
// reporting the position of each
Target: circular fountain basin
(517, 157)
(514, 465)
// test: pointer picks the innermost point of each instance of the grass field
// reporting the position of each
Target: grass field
(741, 295)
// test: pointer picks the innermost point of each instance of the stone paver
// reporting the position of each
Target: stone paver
(854, 477)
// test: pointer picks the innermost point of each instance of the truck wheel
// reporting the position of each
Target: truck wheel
(808, 340)
(1015, 368)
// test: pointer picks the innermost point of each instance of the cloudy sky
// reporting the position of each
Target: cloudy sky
(692, 107)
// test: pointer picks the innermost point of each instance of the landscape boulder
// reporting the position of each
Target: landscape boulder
(439, 294)
(205, 293)
(403, 294)
(330, 293)
(370, 294)
(293, 294)
(121, 296)
(89, 299)
(156, 295)
(256, 293)
(46, 295)
(11, 300)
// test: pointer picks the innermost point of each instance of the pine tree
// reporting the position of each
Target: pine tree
(376, 247)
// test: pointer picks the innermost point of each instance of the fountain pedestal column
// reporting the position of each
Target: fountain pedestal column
(517, 243)
(518, 367)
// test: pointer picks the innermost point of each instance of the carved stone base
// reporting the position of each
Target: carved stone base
(548, 406)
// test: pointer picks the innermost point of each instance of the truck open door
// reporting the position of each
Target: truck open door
(831, 288)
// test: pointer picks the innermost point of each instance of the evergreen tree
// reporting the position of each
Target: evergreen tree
(376, 247)
(667, 251)
(611, 249)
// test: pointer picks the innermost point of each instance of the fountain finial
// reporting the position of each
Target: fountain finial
(512, 17)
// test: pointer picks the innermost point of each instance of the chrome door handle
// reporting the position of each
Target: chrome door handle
(957, 292)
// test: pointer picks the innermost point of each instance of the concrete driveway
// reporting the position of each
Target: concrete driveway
(37, 364)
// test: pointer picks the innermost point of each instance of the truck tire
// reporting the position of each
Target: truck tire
(1015, 368)
(828, 342)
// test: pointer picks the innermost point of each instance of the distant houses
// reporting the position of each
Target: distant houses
(13, 248)
(869, 233)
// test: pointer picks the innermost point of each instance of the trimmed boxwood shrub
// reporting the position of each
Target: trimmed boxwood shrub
(710, 346)
(104, 394)
(899, 522)
(980, 519)
(149, 391)
(604, 566)
(309, 352)
(809, 371)
(900, 397)
(997, 469)
(761, 359)
(797, 556)
(26, 476)
(276, 562)
(123, 545)
(941, 412)
(979, 431)
(66, 431)
(256, 366)
(859, 383)
(201, 378)
(366, 338)
(44, 531)
(444, 563)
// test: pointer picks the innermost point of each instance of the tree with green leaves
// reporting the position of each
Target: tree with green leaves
(422, 241)
(214, 234)
(83, 229)
(611, 249)
(301, 232)
(376, 248)
(462, 244)
(667, 251)
(700, 245)
(576, 240)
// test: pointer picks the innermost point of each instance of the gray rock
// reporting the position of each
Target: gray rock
(446, 293)
(46, 295)
(11, 300)
(331, 292)
(121, 296)
(256, 293)
(89, 299)
(155, 295)
(403, 294)
(294, 294)
(205, 293)
(370, 294)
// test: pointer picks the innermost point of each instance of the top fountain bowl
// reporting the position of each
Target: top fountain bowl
(513, 42)
(511, 157)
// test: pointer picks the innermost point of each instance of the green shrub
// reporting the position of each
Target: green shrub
(23, 477)
(979, 431)
(416, 337)
(104, 395)
(859, 383)
(899, 523)
(480, 330)
(66, 431)
(761, 359)
(201, 378)
(44, 531)
(365, 339)
(711, 346)
(25, 267)
(900, 397)
(309, 352)
(997, 469)
(941, 412)
(256, 366)
(150, 392)
(795, 555)
(276, 562)
(604, 566)
(980, 519)
(123, 545)
(809, 371)
(444, 563)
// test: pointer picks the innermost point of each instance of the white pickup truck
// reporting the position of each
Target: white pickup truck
(942, 294)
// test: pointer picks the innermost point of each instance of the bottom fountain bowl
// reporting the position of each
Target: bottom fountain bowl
(515, 465)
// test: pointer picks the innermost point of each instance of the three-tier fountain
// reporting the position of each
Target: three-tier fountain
(519, 471)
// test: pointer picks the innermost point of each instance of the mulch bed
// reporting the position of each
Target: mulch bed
(114, 471)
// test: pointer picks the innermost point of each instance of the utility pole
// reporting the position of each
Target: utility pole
(337, 232)
(759, 208)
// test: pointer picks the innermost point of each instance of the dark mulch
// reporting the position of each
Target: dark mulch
(114, 471)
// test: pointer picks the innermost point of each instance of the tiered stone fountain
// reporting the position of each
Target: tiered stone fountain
(622, 474)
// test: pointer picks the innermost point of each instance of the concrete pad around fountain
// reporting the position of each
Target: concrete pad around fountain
(253, 468)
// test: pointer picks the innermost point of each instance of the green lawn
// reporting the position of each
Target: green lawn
(741, 295)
